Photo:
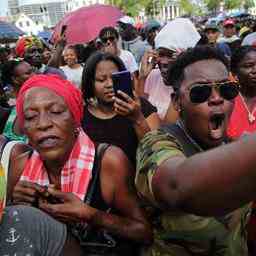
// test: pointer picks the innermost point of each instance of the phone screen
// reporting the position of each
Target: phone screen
(122, 81)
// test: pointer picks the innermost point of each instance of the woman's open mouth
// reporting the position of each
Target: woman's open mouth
(217, 125)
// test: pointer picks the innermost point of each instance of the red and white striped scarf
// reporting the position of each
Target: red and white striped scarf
(75, 174)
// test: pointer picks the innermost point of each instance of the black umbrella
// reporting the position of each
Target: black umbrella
(9, 32)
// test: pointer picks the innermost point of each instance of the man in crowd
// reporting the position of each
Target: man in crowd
(151, 29)
(31, 48)
(131, 41)
(153, 80)
(229, 32)
(198, 188)
(230, 35)
(109, 38)
(212, 33)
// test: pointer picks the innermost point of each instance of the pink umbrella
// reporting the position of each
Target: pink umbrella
(84, 24)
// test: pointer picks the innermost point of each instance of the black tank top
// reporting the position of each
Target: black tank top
(117, 131)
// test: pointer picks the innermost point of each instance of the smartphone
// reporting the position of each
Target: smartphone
(63, 30)
(48, 197)
(122, 81)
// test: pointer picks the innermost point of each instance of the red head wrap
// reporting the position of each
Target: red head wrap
(25, 43)
(63, 88)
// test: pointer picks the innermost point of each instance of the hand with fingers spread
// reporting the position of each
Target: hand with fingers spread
(148, 62)
(124, 105)
(27, 193)
(70, 208)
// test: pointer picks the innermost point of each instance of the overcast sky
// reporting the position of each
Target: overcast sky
(3, 7)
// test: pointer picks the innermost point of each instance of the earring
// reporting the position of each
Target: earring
(76, 131)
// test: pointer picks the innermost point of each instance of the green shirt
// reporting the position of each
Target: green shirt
(8, 129)
(177, 233)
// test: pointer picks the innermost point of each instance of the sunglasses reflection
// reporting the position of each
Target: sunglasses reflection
(200, 93)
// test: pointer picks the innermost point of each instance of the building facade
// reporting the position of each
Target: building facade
(27, 25)
(13, 7)
(47, 13)
(167, 11)
(72, 5)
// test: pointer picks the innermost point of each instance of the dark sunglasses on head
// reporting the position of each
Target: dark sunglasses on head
(200, 93)
(106, 39)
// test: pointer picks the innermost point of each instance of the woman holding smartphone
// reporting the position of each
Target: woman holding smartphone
(118, 119)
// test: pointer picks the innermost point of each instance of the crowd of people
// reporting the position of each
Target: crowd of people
(160, 162)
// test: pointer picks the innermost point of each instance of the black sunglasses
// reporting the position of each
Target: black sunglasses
(200, 93)
(104, 40)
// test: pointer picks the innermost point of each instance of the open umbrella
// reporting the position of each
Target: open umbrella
(9, 32)
(45, 34)
(250, 39)
(84, 24)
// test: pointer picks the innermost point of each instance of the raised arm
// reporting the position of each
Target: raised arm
(55, 59)
(210, 183)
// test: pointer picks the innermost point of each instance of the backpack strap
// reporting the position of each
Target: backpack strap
(176, 131)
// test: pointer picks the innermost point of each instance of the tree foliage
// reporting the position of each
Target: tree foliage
(248, 4)
(212, 5)
(190, 8)
(232, 4)
(132, 7)
(187, 6)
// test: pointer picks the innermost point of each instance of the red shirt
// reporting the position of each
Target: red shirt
(239, 123)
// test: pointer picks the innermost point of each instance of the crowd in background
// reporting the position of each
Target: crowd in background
(167, 169)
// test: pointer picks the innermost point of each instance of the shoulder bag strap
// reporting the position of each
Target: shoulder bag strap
(99, 152)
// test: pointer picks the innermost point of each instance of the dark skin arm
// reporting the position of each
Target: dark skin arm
(146, 66)
(118, 192)
(21, 192)
(55, 59)
(132, 224)
(210, 183)
(117, 189)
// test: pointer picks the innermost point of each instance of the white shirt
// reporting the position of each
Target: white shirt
(159, 94)
(128, 60)
(74, 75)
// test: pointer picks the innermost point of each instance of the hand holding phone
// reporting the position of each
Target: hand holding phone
(122, 81)
(45, 195)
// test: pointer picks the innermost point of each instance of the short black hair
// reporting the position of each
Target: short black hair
(239, 55)
(89, 72)
(192, 55)
(8, 70)
(110, 30)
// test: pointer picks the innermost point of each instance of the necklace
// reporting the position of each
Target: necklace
(251, 116)
(181, 125)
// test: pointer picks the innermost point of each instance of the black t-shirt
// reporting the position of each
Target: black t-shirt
(117, 131)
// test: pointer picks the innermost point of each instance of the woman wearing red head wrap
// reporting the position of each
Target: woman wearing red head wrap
(58, 174)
